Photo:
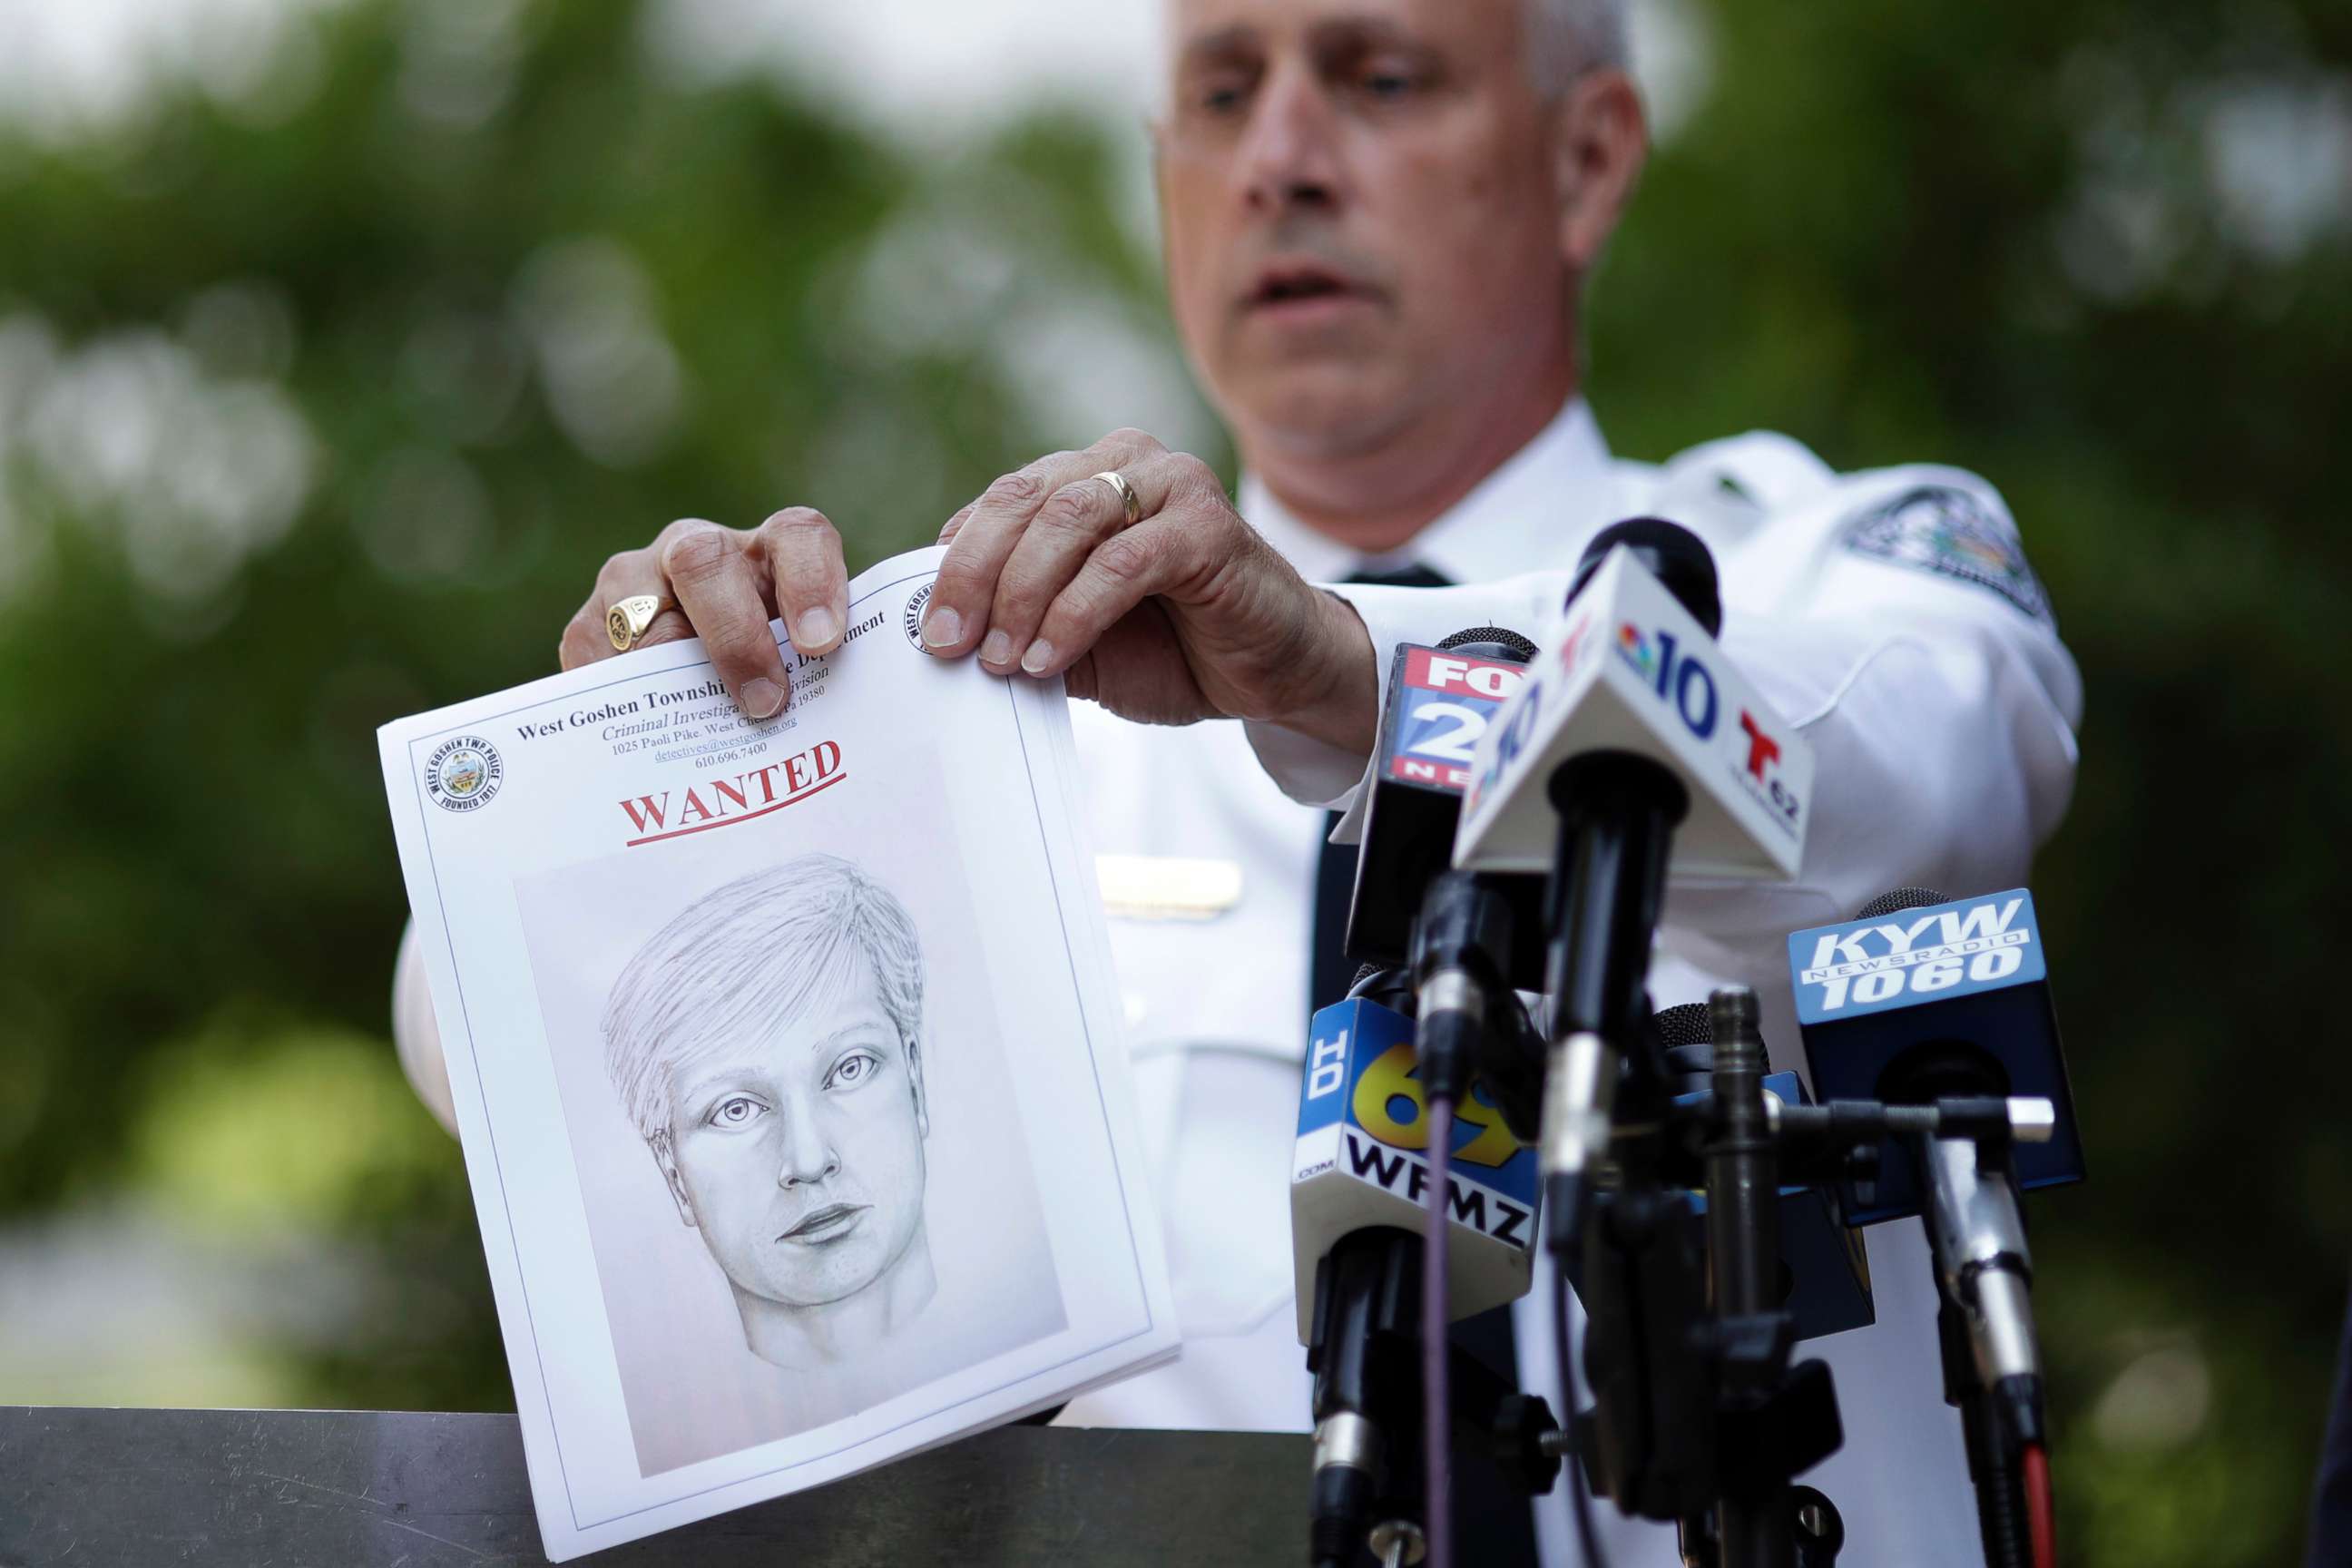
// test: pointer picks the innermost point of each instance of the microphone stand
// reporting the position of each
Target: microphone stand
(1971, 1216)
(1699, 1415)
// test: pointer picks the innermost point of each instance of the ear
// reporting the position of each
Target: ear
(663, 1157)
(915, 1079)
(1601, 139)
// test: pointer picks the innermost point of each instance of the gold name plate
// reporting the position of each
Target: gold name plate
(1165, 887)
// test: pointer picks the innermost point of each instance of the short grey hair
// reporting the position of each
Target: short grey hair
(1564, 37)
(1567, 38)
(737, 963)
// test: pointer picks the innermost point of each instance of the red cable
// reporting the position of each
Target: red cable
(2041, 1507)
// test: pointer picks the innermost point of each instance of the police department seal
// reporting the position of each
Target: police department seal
(914, 617)
(463, 775)
(1947, 530)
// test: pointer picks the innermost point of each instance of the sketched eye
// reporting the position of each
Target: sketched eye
(854, 1070)
(735, 1113)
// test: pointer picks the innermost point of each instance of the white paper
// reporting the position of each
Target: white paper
(833, 1248)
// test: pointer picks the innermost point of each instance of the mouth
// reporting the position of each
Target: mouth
(830, 1223)
(1290, 288)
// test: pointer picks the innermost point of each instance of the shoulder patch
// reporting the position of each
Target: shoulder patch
(1942, 527)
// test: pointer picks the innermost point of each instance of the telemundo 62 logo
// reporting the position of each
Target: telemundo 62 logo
(463, 775)
(1677, 678)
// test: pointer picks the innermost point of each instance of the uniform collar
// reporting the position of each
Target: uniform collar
(1535, 511)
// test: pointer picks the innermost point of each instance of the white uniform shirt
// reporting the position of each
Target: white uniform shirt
(1941, 707)
(1879, 611)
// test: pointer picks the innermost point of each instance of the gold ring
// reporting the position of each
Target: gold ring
(1127, 496)
(626, 621)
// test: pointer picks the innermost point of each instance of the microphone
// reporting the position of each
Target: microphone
(1824, 1272)
(1361, 1162)
(1632, 668)
(1355, 1212)
(1633, 747)
(1923, 997)
(1469, 941)
(1441, 700)
(1360, 1178)
(1920, 997)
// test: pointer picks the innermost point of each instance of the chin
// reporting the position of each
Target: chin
(1329, 409)
(819, 1288)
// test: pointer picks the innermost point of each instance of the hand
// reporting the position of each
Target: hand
(725, 585)
(1185, 614)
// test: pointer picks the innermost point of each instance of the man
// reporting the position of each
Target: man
(1380, 215)
(766, 1044)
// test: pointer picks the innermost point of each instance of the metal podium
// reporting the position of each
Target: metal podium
(294, 1488)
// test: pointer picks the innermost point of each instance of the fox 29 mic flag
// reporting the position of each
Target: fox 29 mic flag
(1950, 998)
(1440, 702)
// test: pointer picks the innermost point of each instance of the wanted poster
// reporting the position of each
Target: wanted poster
(785, 1062)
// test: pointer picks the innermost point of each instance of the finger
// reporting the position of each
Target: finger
(711, 576)
(810, 583)
(588, 638)
(966, 586)
(1167, 549)
(1075, 520)
(955, 525)
(585, 639)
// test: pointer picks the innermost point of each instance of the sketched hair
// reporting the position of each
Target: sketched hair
(756, 953)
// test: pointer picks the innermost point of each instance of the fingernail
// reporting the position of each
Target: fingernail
(996, 647)
(941, 627)
(1040, 655)
(760, 699)
(817, 627)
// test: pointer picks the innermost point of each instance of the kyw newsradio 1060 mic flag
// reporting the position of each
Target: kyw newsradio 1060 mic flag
(1918, 998)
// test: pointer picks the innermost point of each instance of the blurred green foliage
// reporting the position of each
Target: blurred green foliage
(316, 417)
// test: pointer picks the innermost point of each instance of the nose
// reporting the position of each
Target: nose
(1289, 155)
(808, 1154)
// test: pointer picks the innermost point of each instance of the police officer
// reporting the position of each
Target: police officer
(1378, 217)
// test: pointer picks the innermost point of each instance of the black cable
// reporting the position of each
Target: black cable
(2000, 1489)
(1436, 1393)
(1580, 1506)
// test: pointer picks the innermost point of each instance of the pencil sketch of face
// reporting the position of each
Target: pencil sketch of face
(767, 1043)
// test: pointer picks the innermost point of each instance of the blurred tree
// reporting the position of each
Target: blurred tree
(309, 424)
(322, 408)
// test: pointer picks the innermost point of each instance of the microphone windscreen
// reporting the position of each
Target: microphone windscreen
(1685, 1025)
(1672, 553)
(1492, 642)
(1898, 899)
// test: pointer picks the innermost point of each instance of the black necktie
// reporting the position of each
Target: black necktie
(1492, 1525)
